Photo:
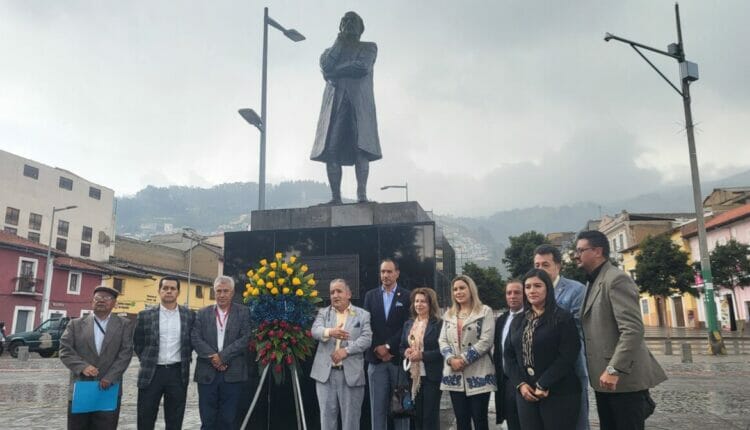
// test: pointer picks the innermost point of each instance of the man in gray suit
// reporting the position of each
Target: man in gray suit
(97, 347)
(621, 368)
(344, 333)
(220, 337)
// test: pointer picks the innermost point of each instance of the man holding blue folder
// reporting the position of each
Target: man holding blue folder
(97, 347)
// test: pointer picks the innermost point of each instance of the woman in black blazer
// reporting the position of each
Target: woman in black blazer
(419, 345)
(544, 346)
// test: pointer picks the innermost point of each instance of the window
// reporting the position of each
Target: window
(61, 244)
(87, 233)
(23, 319)
(74, 283)
(30, 171)
(212, 295)
(35, 221)
(11, 230)
(118, 284)
(95, 193)
(85, 250)
(34, 237)
(198, 291)
(66, 183)
(26, 280)
(62, 228)
(622, 241)
(11, 215)
(644, 306)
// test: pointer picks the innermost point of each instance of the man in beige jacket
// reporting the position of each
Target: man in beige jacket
(621, 368)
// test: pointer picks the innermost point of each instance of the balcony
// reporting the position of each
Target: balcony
(26, 285)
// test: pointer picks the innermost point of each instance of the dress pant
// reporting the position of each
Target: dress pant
(167, 382)
(382, 378)
(337, 399)
(94, 420)
(583, 376)
(470, 408)
(427, 405)
(556, 412)
(218, 403)
(623, 411)
(510, 410)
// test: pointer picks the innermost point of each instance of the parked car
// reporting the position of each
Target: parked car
(45, 339)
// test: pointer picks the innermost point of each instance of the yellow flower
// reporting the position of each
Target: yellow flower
(285, 290)
(303, 269)
(284, 266)
(271, 274)
(261, 283)
(250, 273)
(281, 281)
(263, 262)
(256, 277)
(256, 291)
(274, 291)
(300, 292)
(292, 259)
(311, 282)
(262, 269)
(273, 265)
(245, 293)
(314, 293)
(296, 282)
(248, 286)
(279, 255)
(289, 271)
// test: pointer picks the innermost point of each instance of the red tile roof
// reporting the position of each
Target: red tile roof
(61, 259)
(718, 220)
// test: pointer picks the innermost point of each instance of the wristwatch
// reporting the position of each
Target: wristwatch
(612, 371)
(388, 347)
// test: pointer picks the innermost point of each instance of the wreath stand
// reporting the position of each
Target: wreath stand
(298, 404)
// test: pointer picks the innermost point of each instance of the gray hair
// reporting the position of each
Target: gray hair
(342, 281)
(223, 279)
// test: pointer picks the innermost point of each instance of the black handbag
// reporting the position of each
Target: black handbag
(402, 405)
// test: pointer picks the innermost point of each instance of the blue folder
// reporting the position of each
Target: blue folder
(88, 397)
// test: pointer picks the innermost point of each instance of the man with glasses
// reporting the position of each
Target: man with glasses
(97, 347)
(621, 368)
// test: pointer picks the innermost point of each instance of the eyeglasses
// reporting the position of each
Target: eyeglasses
(580, 251)
(103, 298)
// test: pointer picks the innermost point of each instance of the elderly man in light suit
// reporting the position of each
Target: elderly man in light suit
(97, 347)
(621, 368)
(344, 333)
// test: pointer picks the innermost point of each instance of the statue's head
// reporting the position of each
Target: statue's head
(352, 26)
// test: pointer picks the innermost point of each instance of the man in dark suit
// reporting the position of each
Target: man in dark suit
(621, 368)
(162, 343)
(97, 347)
(505, 397)
(388, 306)
(220, 337)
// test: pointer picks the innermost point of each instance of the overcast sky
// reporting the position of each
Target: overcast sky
(482, 105)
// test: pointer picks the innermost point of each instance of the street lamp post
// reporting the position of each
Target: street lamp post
(260, 121)
(192, 237)
(50, 265)
(405, 187)
(689, 73)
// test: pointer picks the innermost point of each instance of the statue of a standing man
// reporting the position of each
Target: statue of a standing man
(347, 128)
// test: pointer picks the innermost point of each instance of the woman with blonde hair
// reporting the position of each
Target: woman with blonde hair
(420, 349)
(465, 343)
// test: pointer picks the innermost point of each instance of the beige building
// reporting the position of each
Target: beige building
(29, 192)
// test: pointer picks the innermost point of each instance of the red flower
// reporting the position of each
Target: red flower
(271, 333)
(265, 362)
(289, 360)
(277, 368)
(279, 334)
(273, 356)
(259, 336)
(283, 347)
(308, 333)
(293, 340)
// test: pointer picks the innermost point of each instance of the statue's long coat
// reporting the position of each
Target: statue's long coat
(353, 76)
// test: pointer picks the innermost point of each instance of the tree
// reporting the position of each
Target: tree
(730, 266)
(662, 269)
(571, 270)
(489, 283)
(519, 256)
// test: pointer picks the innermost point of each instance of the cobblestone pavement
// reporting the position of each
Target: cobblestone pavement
(709, 393)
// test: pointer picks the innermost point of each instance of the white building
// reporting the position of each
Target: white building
(29, 190)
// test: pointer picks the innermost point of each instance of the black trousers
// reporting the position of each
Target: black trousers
(470, 408)
(556, 412)
(510, 409)
(623, 411)
(167, 382)
(427, 405)
(94, 420)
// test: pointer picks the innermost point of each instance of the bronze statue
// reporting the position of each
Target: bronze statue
(347, 128)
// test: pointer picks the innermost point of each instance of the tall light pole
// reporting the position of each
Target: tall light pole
(260, 122)
(688, 74)
(50, 265)
(192, 237)
(405, 187)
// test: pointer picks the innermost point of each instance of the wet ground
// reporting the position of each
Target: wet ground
(712, 392)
